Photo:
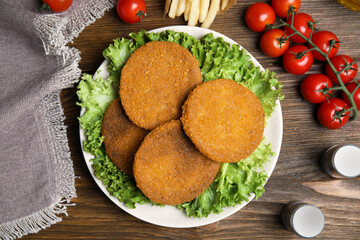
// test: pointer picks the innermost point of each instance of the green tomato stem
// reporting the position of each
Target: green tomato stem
(351, 108)
(335, 88)
(141, 15)
(356, 88)
(44, 6)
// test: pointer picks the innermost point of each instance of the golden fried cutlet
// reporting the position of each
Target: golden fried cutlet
(169, 169)
(155, 82)
(224, 119)
(122, 138)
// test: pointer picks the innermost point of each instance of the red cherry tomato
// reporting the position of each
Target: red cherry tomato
(258, 15)
(301, 23)
(340, 62)
(295, 65)
(330, 113)
(312, 86)
(356, 96)
(273, 43)
(58, 5)
(281, 7)
(131, 11)
(322, 40)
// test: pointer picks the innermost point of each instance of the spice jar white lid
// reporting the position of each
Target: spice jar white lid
(308, 221)
(346, 160)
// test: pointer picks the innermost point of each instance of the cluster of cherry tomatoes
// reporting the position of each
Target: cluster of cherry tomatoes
(298, 57)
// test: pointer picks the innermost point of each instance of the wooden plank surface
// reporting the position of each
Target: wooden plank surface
(297, 175)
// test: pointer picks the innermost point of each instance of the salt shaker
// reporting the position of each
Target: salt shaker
(304, 219)
(341, 161)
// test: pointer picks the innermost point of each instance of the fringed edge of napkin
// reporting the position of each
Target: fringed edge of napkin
(51, 112)
(55, 31)
(33, 223)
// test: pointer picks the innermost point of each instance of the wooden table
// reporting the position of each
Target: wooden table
(297, 175)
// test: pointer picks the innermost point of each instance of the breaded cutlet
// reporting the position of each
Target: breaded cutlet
(224, 119)
(169, 169)
(155, 82)
(122, 138)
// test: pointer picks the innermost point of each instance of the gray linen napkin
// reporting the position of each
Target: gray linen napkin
(36, 172)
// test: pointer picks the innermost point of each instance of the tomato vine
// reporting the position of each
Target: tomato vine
(348, 65)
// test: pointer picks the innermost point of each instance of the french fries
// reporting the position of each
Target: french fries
(180, 8)
(173, 8)
(214, 8)
(204, 8)
(197, 11)
(194, 12)
(224, 3)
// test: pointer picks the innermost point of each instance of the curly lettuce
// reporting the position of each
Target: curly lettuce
(235, 182)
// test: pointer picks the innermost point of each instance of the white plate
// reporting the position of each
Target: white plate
(170, 216)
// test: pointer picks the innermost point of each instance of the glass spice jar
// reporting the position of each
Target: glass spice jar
(341, 161)
(304, 219)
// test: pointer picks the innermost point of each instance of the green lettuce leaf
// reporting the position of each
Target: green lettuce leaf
(118, 53)
(235, 182)
(95, 94)
(117, 182)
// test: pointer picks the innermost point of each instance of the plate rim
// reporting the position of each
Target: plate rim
(196, 221)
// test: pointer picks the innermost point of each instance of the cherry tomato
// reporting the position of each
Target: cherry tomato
(322, 40)
(258, 15)
(301, 23)
(312, 85)
(281, 7)
(131, 11)
(356, 96)
(58, 5)
(330, 113)
(340, 62)
(273, 43)
(295, 65)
